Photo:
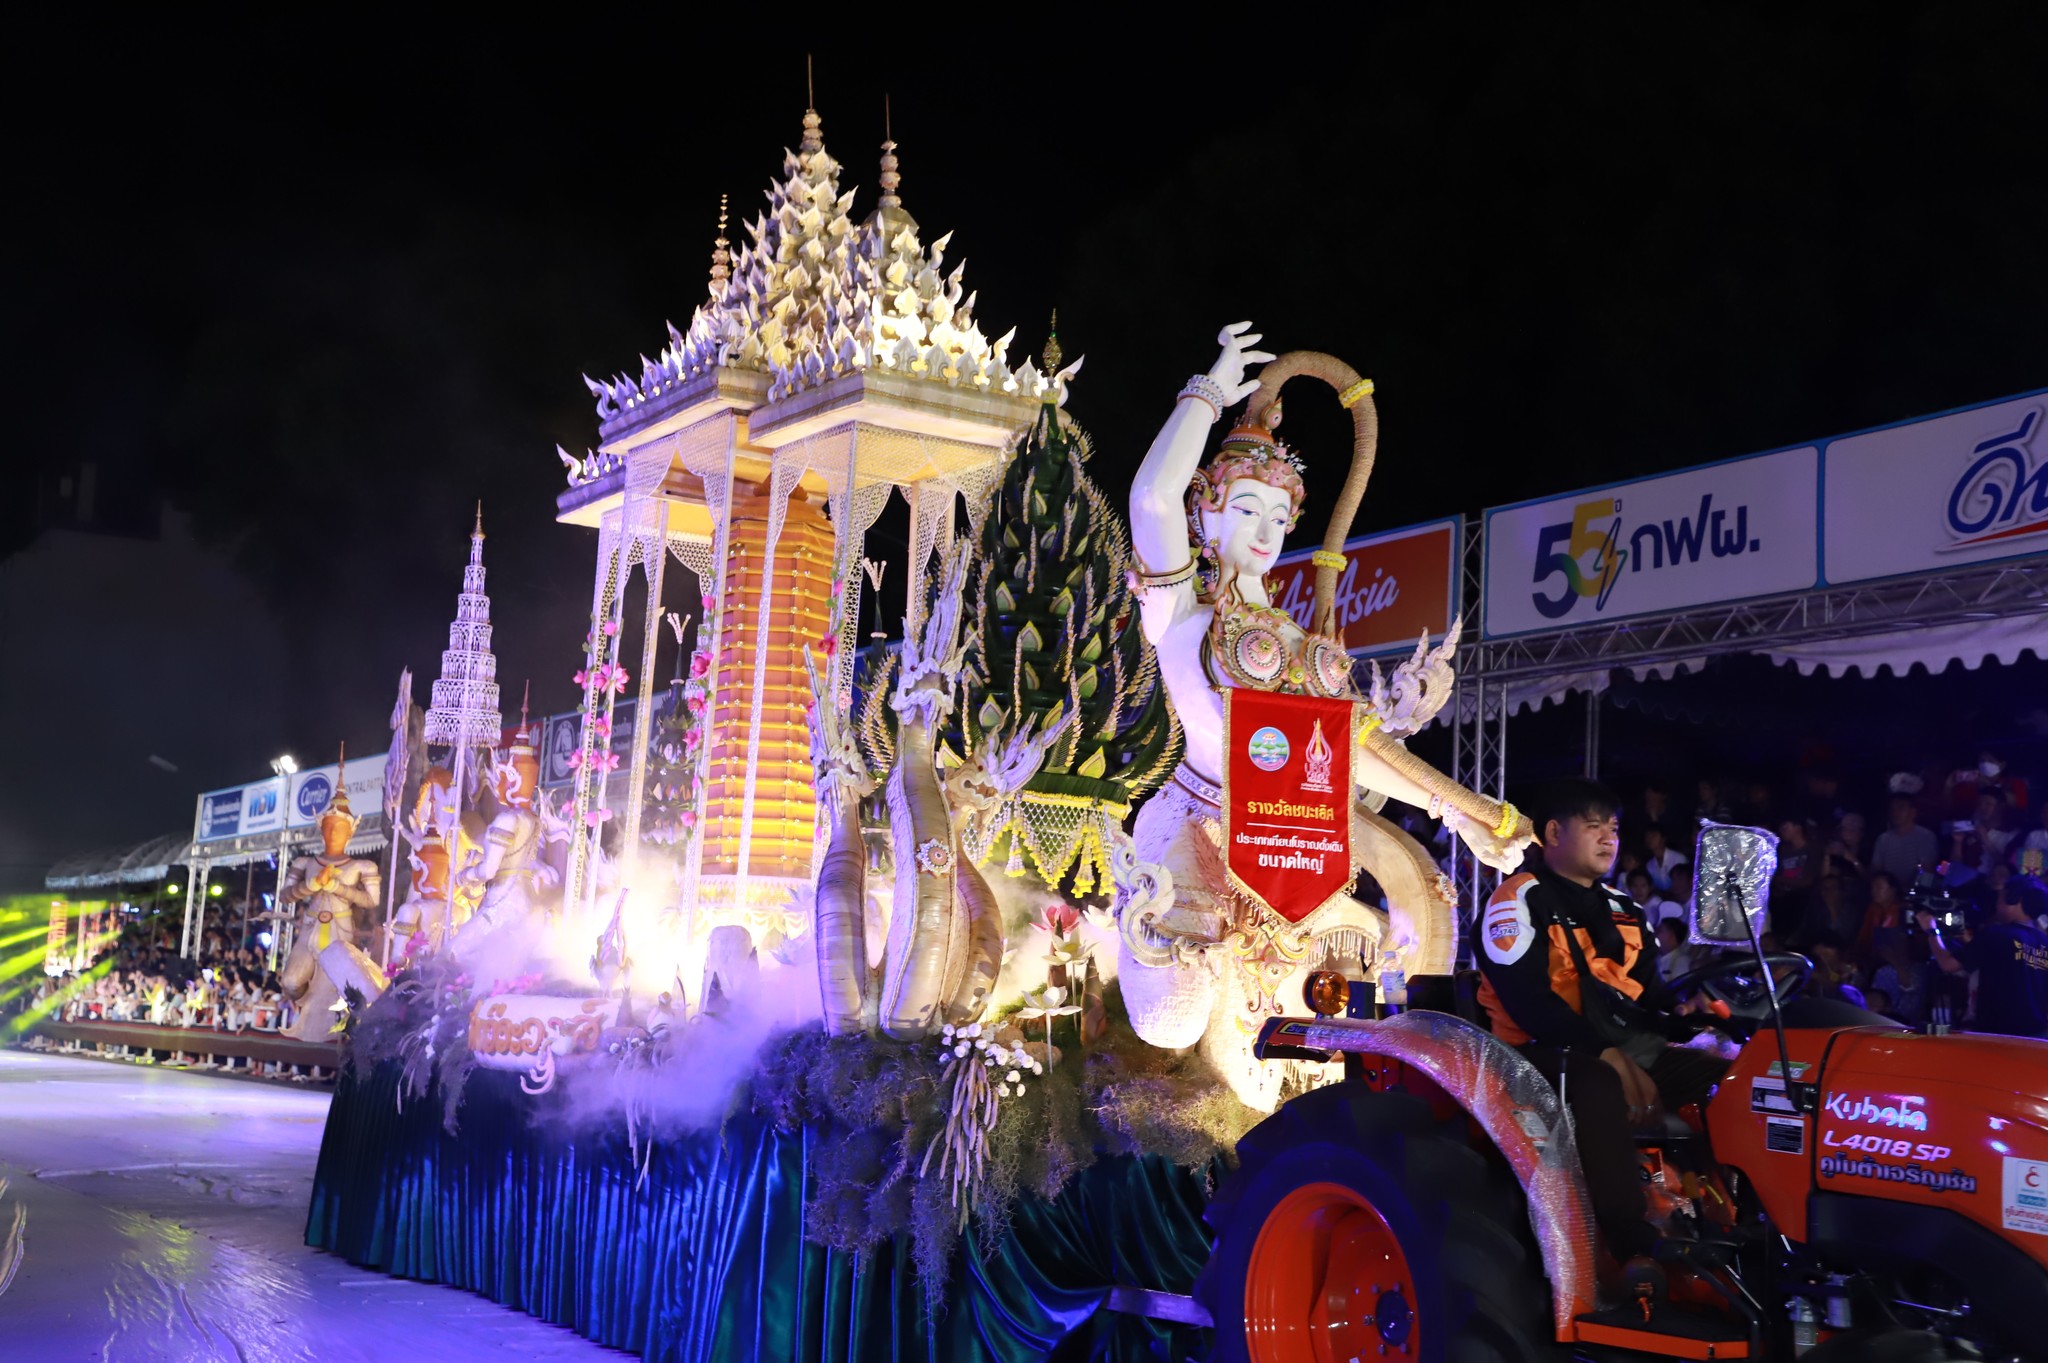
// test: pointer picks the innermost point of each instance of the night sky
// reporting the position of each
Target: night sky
(319, 288)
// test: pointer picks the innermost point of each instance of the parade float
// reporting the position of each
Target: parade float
(891, 1000)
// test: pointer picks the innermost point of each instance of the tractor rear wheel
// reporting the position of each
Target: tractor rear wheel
(1357, 1227)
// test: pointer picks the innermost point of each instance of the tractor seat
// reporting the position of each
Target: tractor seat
(1456, 994)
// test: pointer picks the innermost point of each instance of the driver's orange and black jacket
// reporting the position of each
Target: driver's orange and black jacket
(1530, 988)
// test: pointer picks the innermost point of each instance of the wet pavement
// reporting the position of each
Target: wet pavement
(165, 1220)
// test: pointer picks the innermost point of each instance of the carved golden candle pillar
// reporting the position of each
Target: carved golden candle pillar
(796, 571)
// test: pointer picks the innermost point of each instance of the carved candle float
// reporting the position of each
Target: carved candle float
(533, 1034)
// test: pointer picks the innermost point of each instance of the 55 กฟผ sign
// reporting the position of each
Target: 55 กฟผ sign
(1725, 532)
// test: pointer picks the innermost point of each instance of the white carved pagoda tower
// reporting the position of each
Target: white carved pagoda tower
(464, 714)
(833, 362)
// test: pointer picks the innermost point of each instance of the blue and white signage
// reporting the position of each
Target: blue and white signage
(1724, 532)
(276, 803)
(1965, 487)
(263, 806)
(258, 807)
(220, 814)
(562, 735)
(310, 795)
(312, 790)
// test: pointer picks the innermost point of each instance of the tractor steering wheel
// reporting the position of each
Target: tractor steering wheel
(1736, 981)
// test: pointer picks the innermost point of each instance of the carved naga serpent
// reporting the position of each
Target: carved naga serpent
(945, 943)
(839, 911)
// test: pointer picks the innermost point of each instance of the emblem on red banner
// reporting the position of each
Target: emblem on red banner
(1287, 799)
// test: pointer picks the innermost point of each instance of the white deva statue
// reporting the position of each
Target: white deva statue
(1200, 963)
(321, 894)
(509, 867)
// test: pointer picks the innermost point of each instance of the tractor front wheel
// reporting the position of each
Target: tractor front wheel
(1357, 1227)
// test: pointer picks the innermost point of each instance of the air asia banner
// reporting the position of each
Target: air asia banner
(1950, 490)
(1393, 587)
(1287, 799)
(1725, 532)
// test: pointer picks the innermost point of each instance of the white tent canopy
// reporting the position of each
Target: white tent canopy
(1934, 647)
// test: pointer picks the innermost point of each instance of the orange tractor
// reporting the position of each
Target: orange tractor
(1852, 1190)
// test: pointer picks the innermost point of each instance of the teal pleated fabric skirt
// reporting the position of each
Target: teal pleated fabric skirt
(707, 1259)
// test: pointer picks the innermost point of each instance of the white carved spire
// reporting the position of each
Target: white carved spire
(465, 696)
(891, 180)
(812, 295)
(721, 258)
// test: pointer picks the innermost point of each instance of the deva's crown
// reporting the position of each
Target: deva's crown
(1251, 450)
(337, 810)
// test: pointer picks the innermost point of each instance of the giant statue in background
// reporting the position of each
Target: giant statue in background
(1203, 964)
(322, 894)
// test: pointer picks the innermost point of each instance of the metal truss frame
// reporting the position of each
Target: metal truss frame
(1984, 591)
(1479, 740)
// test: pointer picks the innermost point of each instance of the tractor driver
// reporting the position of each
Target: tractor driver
(1531, 992)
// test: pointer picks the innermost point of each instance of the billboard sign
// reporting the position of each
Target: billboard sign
(562, 735)
(263, 806)
(1945, 491)
(258, 807)
(1744, 528)
(220, 814)
(1394, 586)
(312, 790)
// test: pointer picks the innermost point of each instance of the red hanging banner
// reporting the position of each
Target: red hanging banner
(1287, 799)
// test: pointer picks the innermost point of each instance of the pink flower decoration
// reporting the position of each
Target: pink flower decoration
(831, 642)
(582, 678)
(602, 726)
(611, 628)
(710, 604)
(688, 818)
(576, 760)
(618, 680)
(596, 817)
(1061, 919)
(700, 664)
(604, 761)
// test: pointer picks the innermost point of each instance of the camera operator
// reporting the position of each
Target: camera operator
(2010, 957)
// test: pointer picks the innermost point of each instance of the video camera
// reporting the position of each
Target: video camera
(1930, 895)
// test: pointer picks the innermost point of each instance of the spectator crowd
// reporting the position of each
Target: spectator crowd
(139, 977)
(1923, 901)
